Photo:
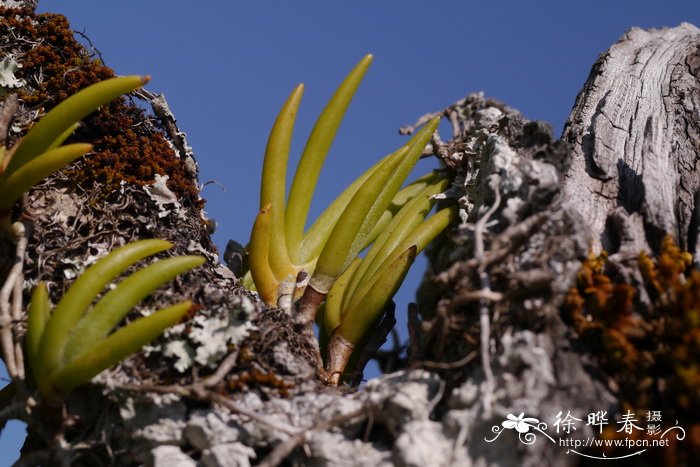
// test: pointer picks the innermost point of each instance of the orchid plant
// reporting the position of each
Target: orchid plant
(40, 153)
(75, 342)
(289, 265)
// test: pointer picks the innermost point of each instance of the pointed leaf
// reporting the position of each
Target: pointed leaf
(117, 347)
(336, 254)
(63, 136)
(318, 233)
(410, 191)
(17, 182)
(118, 302)
(393, 184)
(38, 314)
(247, 281)
(273, 186)
(334, 301)
(362, 313)
(423, 234)
(265, 281)
(364, 210)
(67, 113)
(314, 154)
(402, 197)
(405, 221)
(84, 290)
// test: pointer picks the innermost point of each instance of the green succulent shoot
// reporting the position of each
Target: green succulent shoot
(40, 153)
(288, 262)
(356, 301)
(75, 342)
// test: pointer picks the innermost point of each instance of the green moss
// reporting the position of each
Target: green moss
(125, 150)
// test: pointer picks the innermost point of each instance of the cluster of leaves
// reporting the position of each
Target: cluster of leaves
(73, 344)
(287, 263)
(40, 152)
(68, 347)
(650, 351)
(54, 66)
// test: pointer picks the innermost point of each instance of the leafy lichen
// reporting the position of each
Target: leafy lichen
(209, 338)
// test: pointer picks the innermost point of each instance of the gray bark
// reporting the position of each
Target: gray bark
(634, 137)
(487, 336)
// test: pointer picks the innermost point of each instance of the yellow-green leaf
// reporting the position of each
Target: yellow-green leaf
(419, 238)
(116, 304)
(334, 302)
(362, 313)
(337, 254)
(83, 291)
(317, 235)
(273, 186)
(117, 347)
(403, 223)
(265, 281)
(62, 117)
(314, 154)
(17, 182)
(364, 210)
(38, 315)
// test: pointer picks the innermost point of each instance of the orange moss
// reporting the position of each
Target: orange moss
(125, 150)
(652, 352)
(256, 378)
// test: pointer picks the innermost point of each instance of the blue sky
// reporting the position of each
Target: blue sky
(227, 66)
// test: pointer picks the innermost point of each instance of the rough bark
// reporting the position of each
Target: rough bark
(487, 338)
(634, 136)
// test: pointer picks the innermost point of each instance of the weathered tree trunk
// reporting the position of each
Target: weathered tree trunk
(634, 135)
(235, 386)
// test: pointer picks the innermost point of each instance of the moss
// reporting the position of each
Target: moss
(55, 66)
(651, 352)
(256, 378)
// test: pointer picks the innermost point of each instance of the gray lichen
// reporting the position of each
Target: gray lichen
(8, 78)
(209, 335)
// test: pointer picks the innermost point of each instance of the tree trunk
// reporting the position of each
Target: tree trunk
(506, 321)
(634, 135)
